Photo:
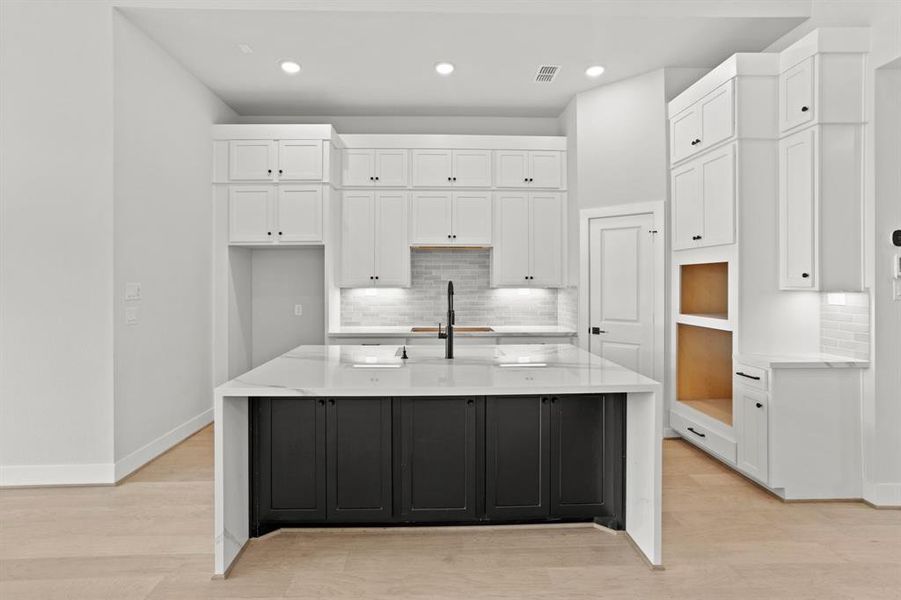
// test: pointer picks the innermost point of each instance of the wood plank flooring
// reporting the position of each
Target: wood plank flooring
(150, 538)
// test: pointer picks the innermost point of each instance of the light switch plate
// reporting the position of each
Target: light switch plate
(298, 310)
(132, 315)
(132, 291)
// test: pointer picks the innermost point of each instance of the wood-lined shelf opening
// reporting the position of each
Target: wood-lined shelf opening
(704, 370)
(704, 291)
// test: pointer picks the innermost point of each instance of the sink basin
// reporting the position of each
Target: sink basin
(457, 328)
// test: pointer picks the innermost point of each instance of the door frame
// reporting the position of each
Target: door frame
(658, 211)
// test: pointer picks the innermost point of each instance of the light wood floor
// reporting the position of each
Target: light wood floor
(724, 538)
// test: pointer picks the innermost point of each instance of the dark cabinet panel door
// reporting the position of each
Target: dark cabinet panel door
(587, 462)
(359, 459)
(517, 457)
(290, 458)
(437, 454)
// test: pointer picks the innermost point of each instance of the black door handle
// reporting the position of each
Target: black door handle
(805, 275)
(805, 108)
(697, 433)
(759, 405)
(740, 374)
(597, 331)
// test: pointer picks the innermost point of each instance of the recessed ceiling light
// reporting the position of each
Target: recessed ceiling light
(290, 67)
(444, 68)
(594, 71)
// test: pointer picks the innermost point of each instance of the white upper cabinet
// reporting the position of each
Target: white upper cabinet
(368, 168)
(442, 218)
(300, 160)
(528, 239)
(250, 218)
(299, 213)
(529, 168)
(433, 168)
(268, 214)
(471, 218)
(797, 207)
(796, 95)
(457, 168)
(374, 246)
(703, 193)
(270, 160)
(703, 125)
(472, 168)
(252, 160)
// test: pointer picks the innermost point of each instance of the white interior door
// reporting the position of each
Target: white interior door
(621, 291)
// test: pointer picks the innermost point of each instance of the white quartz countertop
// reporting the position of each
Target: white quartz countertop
(801, 361)
(476, 370)
(405, 331)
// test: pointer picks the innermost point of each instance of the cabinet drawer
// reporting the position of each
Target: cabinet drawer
(751, 377)
(703, 437)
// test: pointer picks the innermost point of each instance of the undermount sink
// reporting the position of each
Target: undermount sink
(457, 328)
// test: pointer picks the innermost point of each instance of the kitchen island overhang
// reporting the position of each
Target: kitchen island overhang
(540, 371)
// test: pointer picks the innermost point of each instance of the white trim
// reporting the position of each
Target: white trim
(140, 457)
(882, 495)
(53, 475)
(658, 211)
(455, 141)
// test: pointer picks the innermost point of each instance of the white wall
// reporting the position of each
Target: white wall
(56, 245)
(414, 124)
(162, 239)
(881, 398)
(282, 278)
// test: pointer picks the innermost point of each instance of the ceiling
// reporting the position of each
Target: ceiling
(381, 62)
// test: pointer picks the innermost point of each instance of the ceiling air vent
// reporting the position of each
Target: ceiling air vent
(546, 73)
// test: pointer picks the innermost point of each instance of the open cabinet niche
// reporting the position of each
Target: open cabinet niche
(704, 371)
(265, 287)
(704, 290)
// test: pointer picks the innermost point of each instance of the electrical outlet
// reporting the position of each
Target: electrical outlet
(132, 315)
(298, 310)
(132, 291)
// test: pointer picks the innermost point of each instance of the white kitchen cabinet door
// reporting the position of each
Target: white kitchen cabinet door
(392, 250)
(753, 438)
(717, 116)
(300, 160)
(299, 213)
(688, 216)
(250, 214)
(432, 168)
(472, 168)
(546, 169)
(717, 176)
(357, 239)
(471, 218)
(431, 218)
(391, 168)
(797, 211)
(684, 130)
(796, 95)
(511, 239)
(251, 160)
(546, 236)
(359, 168)
(512, 168)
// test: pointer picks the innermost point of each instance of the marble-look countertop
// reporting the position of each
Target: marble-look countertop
(801, 361)
(405, 331)
(476, 370)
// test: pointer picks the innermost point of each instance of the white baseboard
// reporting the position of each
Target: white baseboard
(140, 457)
(882, 495)
(47, 475)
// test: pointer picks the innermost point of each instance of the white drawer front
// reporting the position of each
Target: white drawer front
(703, 437)
(752, 377)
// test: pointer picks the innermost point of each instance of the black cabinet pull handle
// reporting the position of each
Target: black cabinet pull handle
(470, 401)
(448, 178)
(544, 400)
(805, 275)
(553, 400)
(321, 401)
(280, 171)
(527, 276)
(376, 276)
(269, 171)
(331, 401)
(371, 277)
(268, 233)
(455, 236)
(372, 179)
(759, 405)
(376, 177)
(448, 236)
(691, 429)
(805, 108)
(280, 233)
(740, 374)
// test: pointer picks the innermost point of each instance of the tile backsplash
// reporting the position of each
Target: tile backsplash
(424, 303)
(845, 325)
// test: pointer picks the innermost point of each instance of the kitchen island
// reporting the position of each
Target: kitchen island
(338, 435)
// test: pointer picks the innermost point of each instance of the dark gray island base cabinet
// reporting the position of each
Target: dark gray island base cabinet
(448, 459)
